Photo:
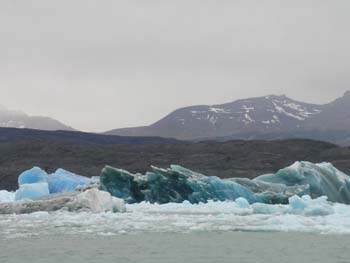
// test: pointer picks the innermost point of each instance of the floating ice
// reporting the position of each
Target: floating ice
(319, 179)
(183, 218)
(32, 191)
(100, 201)
(176, 184)
(242, 203)
(32, 176)
(63, 181)
(6, 196)
(91, 200)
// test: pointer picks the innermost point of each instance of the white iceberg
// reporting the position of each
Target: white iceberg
(91, 200)
(6, 196)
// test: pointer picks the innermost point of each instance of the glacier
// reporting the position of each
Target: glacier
(178, 184)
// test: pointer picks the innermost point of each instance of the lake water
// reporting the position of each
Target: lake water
(212, 232)
(172, 247)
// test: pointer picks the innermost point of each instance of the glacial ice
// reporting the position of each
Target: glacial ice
(184, 217)
(32, 176)
(32, 191)
(319, 179)
(299, 194)
(32, 183)
(91, 200)
(178, 184)
(39, 191)
(63, 181)
(6, 196)
(100, 201)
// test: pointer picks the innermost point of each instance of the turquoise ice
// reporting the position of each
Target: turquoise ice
(178, 184)
(319, 179)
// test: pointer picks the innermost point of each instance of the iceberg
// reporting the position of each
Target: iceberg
(32, 176)
(272, 193)
(32, 183)
(99, 201)
(92, 200)
(32, 191)
(317, 179)
(6, 196)
(303, 188)
(177, 184)
(63, 181)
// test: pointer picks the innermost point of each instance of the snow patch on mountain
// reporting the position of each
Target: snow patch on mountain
(219, 110)
(248, 112)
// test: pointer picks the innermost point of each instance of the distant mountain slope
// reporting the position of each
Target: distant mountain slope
(256, 117)
(18, 119)
(12, 135)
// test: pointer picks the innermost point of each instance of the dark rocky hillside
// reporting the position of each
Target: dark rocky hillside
(223, 159)
(74, 137)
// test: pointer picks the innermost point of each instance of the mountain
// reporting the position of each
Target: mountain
(269, 117)
(18, 119)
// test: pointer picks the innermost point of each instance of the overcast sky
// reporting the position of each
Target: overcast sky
(104, 64)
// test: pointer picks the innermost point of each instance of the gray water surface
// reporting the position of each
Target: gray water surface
(171, 247)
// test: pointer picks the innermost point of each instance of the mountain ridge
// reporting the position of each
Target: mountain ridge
(21, 120)
(272, 114)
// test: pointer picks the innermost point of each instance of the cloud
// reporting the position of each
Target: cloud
(98, 65)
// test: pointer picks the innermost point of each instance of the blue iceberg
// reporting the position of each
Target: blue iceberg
(178, 184)
(63, 181)
(32, 176)
(36, 183)
(32, 191)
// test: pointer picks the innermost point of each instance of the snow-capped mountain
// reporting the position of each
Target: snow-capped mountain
(249, 117)
(18, 119)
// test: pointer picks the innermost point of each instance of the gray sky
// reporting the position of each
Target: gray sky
(104, 64)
